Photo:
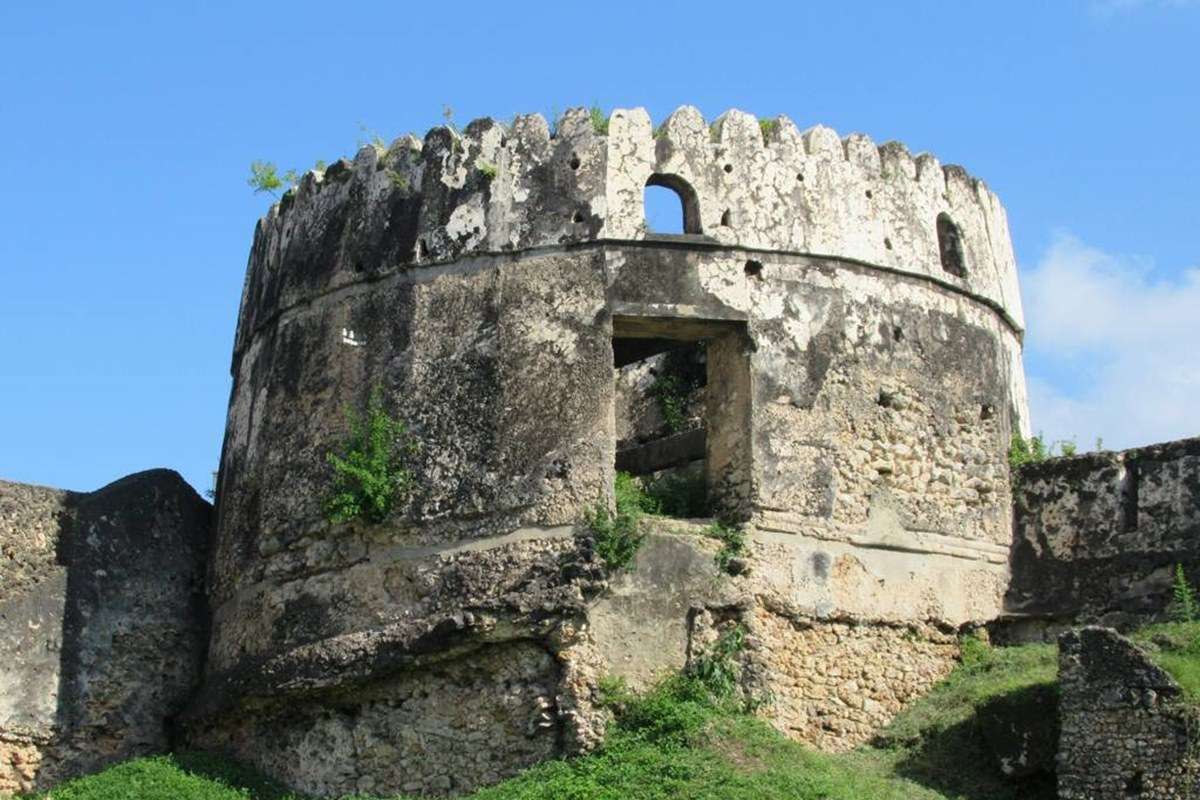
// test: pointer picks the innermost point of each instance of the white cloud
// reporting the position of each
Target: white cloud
(1111, 350)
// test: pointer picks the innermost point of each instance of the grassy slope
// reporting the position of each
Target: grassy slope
(1175, 646)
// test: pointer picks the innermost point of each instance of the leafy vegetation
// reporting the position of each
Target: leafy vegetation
(599, 120)
(265, 177)
(718, 668)
(680, 494)
(486, 168)
(370, 473)
(1183, 598)
(618, 535)
(1022, 451)
(733, 543)
(768, 127)
(679, 376)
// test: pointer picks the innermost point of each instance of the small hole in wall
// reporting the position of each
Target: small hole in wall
(503, 141)
(1134, 784)
(869, 194)
(897, 333)
(987, 411)
(887, 243)
(729, 167)
(422, 249)
(754, 269)
(578, 217)
(358, 266)
(726, 219)
(575, 162)
(885, 399)
(800, 177)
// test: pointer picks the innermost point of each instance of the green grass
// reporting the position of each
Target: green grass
(938, 741)
(1175, 647)
(185, 776)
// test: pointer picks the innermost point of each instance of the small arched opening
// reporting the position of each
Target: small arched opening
(950, 246)
(671, 207)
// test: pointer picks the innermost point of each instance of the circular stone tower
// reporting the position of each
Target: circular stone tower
(855, 313)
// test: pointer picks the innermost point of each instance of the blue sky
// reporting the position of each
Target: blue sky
(128, 128)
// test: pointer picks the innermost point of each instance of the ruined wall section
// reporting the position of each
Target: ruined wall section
(1097, 536)
(1126, 729)
(104, 623)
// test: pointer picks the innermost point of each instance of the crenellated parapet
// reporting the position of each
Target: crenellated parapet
(745, 183)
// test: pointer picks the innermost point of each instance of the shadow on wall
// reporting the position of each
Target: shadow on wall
(104, 623)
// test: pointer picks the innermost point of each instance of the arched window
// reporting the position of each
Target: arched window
(671, 206)
(950, 246)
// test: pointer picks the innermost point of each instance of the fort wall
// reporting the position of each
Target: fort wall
(1098, 536)
(103, 623)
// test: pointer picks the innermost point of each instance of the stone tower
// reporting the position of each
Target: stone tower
(861, 330)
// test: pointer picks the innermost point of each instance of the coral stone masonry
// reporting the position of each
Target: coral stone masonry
(828, 355)
(857, 319)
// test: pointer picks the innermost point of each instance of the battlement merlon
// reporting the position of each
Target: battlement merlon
(491, 189)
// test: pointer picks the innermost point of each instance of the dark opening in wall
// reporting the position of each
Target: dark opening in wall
(753, 269)
(950, 246)
(671, 206)
(679, 410)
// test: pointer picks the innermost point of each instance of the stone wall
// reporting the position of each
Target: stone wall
(1125, 732)
(859, 403)
(102, 623)
(834, 684)
(1097, 536)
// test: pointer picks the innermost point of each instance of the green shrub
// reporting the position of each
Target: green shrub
(370, 473)
(768, 127)
(631, 496)
(682, 494)
(1023, 451)
(718, 669)
(679, 376)
(733, 543)
(264, 177)
(599, 121)
(486, 168)
(1183, 598)
(617, 535)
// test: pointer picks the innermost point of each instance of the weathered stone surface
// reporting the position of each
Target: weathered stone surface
(102, 622)
(1125, 732)
(1097, 536)
(858, 405)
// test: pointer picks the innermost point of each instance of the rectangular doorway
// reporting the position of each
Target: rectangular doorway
(681, 412)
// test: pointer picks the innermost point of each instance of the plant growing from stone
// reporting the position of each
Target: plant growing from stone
(486, 168)
(718, 667)
(370, 471)
(679, 377)
(1183, 606)
(733, 544)
(599, 121)
(265, 177)
(767, 127)
(616, 534)
(1022, 451)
